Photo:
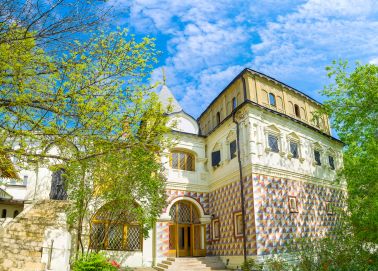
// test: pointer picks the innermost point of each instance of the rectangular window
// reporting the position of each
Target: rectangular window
(329, 208)
(293, 204)
(216, 229)
(233, 149)
(317, 157)
(273, 143)
(238, 224)
(215, 158)
(294, 149)
(331, 162)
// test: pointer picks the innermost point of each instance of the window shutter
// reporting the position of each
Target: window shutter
(215, 158)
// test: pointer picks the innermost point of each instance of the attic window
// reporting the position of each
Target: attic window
(234, 103)
(297, 111)
(272, 99)
(218, 118)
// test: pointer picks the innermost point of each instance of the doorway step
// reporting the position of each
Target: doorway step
(191, 264)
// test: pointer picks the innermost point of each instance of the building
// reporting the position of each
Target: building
(256, 170)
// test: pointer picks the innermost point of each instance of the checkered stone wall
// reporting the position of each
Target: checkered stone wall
(223, 203)
(276, 226)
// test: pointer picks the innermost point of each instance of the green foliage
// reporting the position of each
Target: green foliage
(251, 265)
(93, 262)
(276, 263)
(341, 251)
(353, 106)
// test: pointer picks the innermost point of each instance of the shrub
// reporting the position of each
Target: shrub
(94, 262)
(276, 263)
(251, 265)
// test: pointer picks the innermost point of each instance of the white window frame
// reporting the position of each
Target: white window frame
(273, 130)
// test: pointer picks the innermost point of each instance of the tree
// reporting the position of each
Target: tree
(87, 110)
(353, 106)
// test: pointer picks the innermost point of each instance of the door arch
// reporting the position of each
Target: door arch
(186, 233)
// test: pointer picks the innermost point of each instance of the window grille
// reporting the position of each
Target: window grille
(233, 149)
(273, 143)
(317, 157)
(215, 158)
(184, 213)
(294, 149)
(182, 160)
(114, 230)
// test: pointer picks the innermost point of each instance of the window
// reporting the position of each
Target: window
(238, 224)
(234, 103)
(317, 157)
(331, 162)
(215, 158)
(293, 208)
(233, 149)
(4, 213)
(273, 143)
(330, 208)
(294, 149)
(115, 230)
(15, 213)
(218, 118)
(216, 229)
(182, 160)
(272, 99)
(297, 111)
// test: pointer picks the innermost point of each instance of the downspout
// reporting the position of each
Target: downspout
(242, 199)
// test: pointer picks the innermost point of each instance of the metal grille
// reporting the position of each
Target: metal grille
(187, 213)
(97, 236)
(189, 163)
(134, 238)
(182, 161)
(294, 149)
(115, 236)
(174, 160)
(273, 143)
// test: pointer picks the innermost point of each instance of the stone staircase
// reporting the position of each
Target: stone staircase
(22, 239)
(191, 264)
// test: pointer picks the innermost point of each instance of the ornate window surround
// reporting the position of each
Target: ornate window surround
(273, 130)
(293, 137)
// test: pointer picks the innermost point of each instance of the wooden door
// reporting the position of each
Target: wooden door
(172, 240)
(183, 240)
(198, 240)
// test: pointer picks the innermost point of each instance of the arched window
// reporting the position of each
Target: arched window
(234, 103)
(15, 213)
(272, 99)
(182, 160)
(218, 118)
(4, 213)
(184, 212)
(297, 111)
(112, 229)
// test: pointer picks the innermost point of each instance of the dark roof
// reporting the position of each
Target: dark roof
(261, 75)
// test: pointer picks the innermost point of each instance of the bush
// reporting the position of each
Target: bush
(94, 262)
(276, 263)
(251, 265)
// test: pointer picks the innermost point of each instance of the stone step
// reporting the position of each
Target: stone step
(191, 264)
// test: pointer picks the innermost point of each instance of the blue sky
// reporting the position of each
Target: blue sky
(206, 43)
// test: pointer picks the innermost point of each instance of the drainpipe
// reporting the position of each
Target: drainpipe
(242, 199)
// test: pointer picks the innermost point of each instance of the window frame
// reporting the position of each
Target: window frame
(291, 141)
(272, 99)
(273, 135)
(297, 111)
(235, 153)
(293, 209)
(186, 155)
(330, 208)
(316, 162)
(215, 233)
(212, 158)
(332, 165)
(238, 234)
(234, 103)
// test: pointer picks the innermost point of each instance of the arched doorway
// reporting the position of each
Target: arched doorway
(186, 233)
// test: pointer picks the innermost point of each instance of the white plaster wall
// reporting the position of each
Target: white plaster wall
(183, 123)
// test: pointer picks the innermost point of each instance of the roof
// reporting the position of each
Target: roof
(166, 98)
(263, 76)
(4, 195)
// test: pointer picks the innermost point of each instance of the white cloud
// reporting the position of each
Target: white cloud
(374, 61)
